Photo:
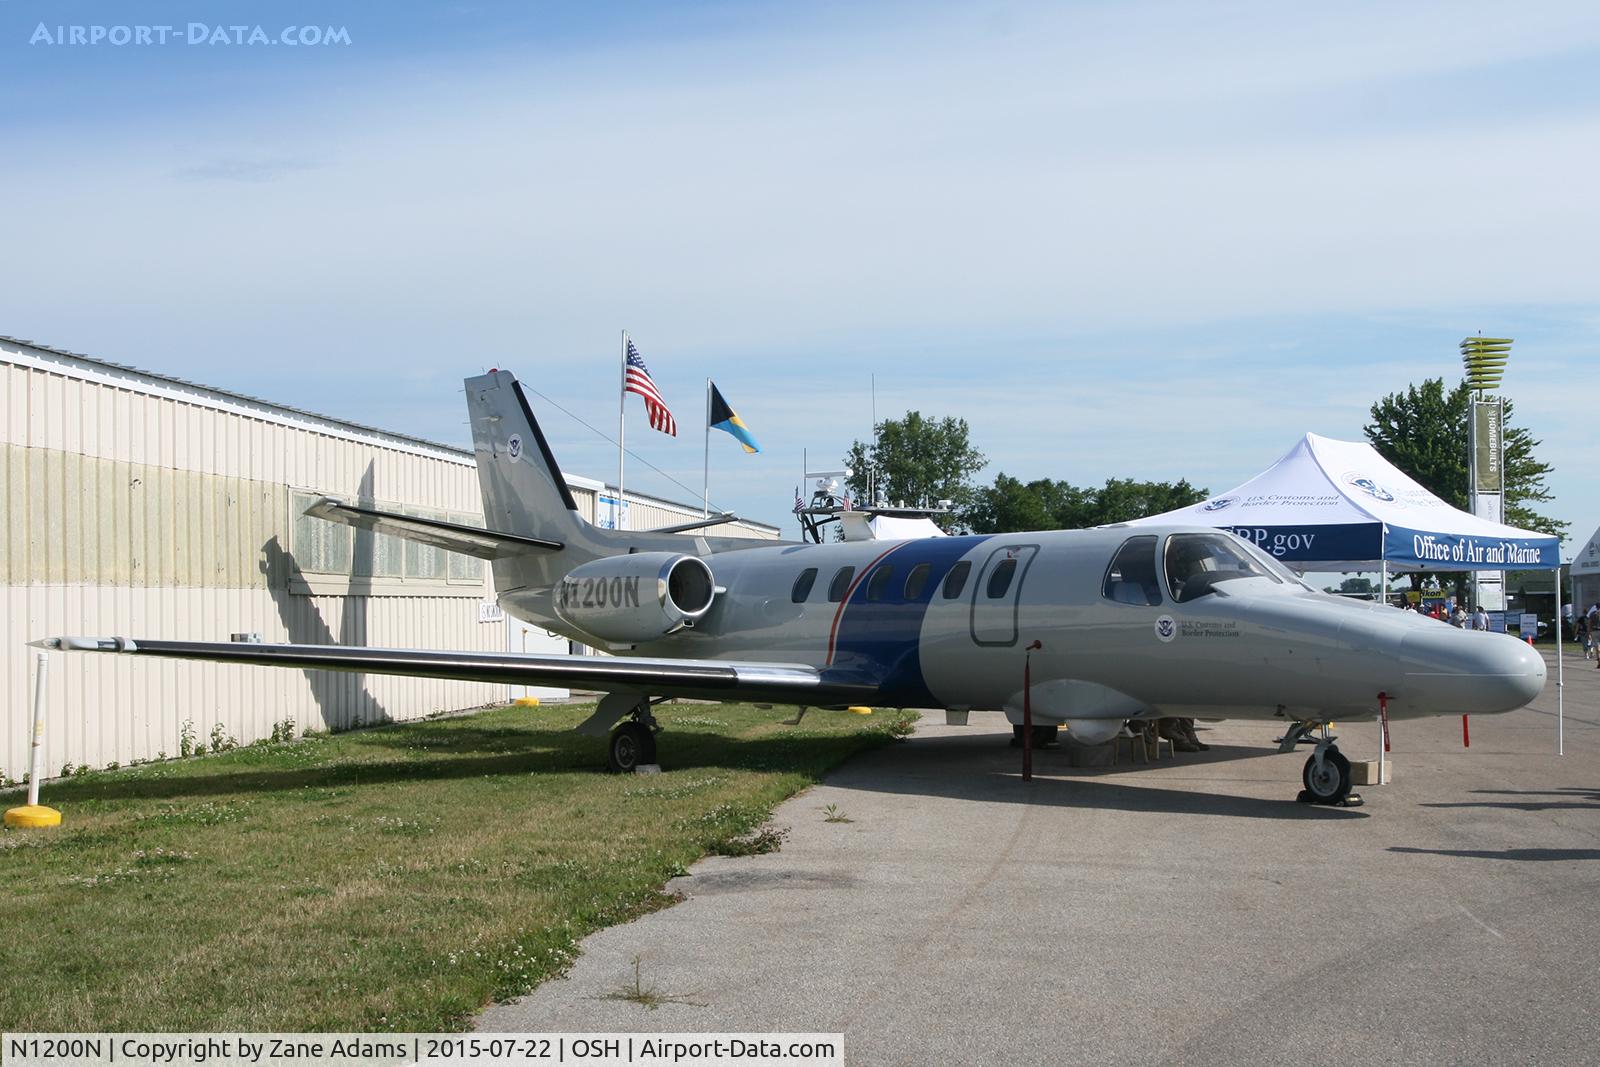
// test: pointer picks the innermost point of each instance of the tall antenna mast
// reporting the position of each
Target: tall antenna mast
(871, 499)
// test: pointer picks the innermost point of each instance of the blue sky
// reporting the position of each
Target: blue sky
(1147, 240)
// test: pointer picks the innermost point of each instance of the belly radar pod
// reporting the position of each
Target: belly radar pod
(1134, 622)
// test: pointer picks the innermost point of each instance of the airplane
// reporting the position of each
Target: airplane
(1110, 624)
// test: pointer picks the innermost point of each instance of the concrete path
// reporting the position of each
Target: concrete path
(1187, 911)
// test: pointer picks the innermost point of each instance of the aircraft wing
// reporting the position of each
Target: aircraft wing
(777, 683)
(450, 536)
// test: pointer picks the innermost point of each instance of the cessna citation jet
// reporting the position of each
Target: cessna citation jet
(1120, 622)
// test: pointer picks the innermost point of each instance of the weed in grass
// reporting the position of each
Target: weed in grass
(647, 997)
(739, 830)
(901, 725)
(186, 739)
(672, 788)
(282, 731)
(696, 720)
(222, 740)
(204, 813)
(831, 813)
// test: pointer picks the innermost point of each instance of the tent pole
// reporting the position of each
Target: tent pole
(1383, 592)
(1561, 674)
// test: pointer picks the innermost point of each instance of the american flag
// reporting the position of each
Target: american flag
(638, 381)
(799, 504)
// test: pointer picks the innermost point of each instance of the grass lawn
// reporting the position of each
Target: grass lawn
(390, 879)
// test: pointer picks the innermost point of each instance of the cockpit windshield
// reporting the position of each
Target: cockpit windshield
(1289, 577)
(1197, 563)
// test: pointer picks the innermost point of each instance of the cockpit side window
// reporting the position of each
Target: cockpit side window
(1198, 563)
(1131, 578)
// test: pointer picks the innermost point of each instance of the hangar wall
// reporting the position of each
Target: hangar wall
(138, 504)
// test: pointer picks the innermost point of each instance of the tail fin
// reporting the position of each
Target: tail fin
(523, 490)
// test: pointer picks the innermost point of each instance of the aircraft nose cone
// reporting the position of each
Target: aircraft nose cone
(1470, 671)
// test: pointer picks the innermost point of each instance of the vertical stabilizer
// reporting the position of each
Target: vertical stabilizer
(523, 490)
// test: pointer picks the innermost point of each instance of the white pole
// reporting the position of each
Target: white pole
(36, 760)
(622, 426)
(705, 484)
(1561, 674)
(1383, 763)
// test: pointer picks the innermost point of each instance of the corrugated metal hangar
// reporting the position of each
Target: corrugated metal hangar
(139, 504)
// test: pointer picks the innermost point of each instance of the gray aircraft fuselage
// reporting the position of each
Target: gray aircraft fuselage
(1264, 647)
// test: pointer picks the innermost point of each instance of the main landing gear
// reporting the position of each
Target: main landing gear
(633, 742)
(1327, 772)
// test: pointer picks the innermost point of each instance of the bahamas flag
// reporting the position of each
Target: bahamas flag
(724, 418)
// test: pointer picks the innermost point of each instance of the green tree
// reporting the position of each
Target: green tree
(1009, 505)
(916, 461)
(1423, 431)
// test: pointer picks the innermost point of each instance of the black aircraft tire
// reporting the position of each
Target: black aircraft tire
(1333, 785)
(632, 745)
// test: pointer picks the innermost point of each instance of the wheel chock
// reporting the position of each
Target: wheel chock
(526, 702)
(32, 815)
(857, 709)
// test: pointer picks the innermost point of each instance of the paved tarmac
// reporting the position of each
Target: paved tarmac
(1187, 911)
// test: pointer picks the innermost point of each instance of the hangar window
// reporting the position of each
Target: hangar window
(425, 561)
(1198, 563)
(1131, 578)
(956, 580)
(319, 547)
(878, 584)
(917, 581)
(803, 584)
(840, 584)
(465, 568)
(1000, 578)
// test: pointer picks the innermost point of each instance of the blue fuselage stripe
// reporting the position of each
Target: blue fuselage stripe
(880, 631)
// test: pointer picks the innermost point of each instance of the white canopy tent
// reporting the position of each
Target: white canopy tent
(1330, 505)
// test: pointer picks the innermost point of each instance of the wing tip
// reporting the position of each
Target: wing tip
(85, 644)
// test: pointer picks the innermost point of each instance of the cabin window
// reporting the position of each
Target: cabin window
(878, 584)
(803, 584)
(956, 580)
(1000, 578)
(1198, 563)
(840, 584)
(917, 581)
(1131, 578)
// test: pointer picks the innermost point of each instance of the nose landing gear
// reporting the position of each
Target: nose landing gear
(1327, 772)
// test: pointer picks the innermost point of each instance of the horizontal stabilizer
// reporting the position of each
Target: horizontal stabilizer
(778, 683)
(439, 533)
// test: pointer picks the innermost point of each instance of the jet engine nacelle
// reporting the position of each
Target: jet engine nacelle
(626, 600)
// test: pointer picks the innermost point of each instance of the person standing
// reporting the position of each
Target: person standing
(1480, 618)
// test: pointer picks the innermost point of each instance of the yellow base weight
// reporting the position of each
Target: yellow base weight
(33, 815)
(526, 702)
(859, 710)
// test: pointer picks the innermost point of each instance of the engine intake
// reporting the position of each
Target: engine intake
(630, 599)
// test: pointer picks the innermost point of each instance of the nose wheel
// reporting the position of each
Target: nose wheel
(1327, 776)
(1327, 773)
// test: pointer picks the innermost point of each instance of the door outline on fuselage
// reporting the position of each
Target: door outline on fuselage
(999, 616)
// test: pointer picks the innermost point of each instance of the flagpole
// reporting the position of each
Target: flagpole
(622, 426)
(705, 484)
